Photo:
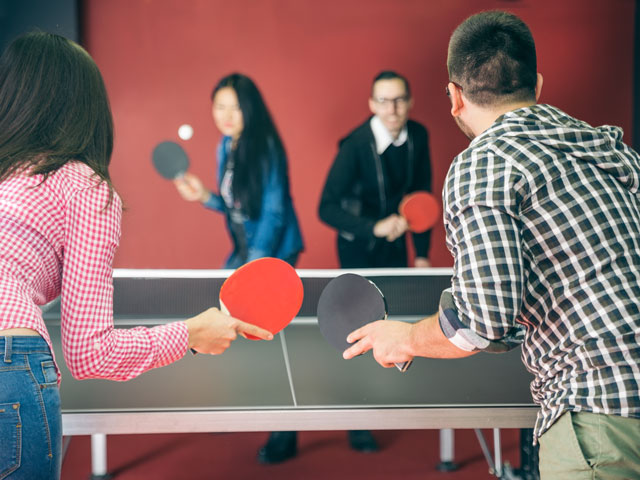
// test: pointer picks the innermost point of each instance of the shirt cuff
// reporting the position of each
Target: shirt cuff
(214, 202)
(466, 339)
(171, 342)
(456, 331)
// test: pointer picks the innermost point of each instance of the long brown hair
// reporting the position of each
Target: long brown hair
(258, 146)
(53, 108)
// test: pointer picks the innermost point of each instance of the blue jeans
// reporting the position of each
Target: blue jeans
(30, 417)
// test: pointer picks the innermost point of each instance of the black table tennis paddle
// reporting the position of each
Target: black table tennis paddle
(170, 160)
(347, 303)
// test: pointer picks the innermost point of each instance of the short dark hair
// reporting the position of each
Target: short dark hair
(391, 75)
(53, 108)
(492, 55)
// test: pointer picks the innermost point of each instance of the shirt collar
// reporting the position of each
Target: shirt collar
(382, 136)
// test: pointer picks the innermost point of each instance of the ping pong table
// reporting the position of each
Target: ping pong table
(295, 382)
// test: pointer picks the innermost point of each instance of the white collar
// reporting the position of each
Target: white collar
(383, 137)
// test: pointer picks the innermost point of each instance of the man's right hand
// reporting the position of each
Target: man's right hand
(191, 188)
(391, 227)
(213, 331)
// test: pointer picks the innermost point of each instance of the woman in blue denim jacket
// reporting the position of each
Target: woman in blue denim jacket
(254, 195)
(252, 177)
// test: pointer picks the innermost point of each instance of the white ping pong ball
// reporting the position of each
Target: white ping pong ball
(185, 132)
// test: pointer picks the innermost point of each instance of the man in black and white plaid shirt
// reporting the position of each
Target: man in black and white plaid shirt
(542, 215)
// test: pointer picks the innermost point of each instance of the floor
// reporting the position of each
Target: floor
(406, 455)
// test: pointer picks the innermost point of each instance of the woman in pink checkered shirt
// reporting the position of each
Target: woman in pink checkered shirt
(59, 229)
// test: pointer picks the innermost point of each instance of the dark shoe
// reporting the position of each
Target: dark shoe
(281, 446)
(362, 441)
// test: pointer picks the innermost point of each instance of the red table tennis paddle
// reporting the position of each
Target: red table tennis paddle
(421, 210)
(170, 160)
(266, 292)
(347, 303)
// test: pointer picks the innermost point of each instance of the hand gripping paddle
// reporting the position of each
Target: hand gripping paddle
(421, 210)
(347, 303)
(266, 292)
(170, 160)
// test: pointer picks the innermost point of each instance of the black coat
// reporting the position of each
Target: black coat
(356, 194)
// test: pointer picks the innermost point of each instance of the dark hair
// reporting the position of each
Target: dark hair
(391, 75)
(256, 145)
(492, 55)
(53, 108)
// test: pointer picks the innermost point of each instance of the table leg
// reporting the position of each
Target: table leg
(446, 451)
(99, 457)
(497, 452)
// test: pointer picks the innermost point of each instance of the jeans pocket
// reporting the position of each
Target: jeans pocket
(49, 373)
(11, 435)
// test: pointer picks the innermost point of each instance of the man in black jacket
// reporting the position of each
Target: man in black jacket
(378, 163)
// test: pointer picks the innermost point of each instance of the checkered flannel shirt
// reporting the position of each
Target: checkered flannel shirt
(542, 216)
(57, 238)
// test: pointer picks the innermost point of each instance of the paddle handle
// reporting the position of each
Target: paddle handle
(403, 367)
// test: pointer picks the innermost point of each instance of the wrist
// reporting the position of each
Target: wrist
(192, 329)
(206, 195)
(375, 229)
(421, 262)
(411, 344)
(421, 334)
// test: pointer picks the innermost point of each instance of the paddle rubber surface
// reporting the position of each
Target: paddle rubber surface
(170, 160)
(421, 210)
(347, 303)
(266, 292)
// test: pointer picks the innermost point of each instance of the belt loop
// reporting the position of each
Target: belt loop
(8, 341)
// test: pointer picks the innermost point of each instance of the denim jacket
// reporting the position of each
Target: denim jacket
(276, 232)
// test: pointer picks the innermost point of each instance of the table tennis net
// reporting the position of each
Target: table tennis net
(413, 295)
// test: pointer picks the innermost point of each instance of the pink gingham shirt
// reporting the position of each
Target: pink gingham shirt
(57, 238)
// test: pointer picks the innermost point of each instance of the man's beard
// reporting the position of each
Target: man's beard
(464, 128)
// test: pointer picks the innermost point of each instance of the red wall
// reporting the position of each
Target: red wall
(313, 62)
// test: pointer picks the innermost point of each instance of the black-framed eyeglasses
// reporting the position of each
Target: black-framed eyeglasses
(401, 102)
(446, 88)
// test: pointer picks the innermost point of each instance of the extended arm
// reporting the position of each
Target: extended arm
(92, 347)
(481, 312)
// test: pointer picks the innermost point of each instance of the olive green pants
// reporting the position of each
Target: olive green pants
(584, 445)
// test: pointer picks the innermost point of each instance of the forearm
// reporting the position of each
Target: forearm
(421, 243)
(427, 340)
(213, 202)
(332, 213)
(396, 342)
(123, 354)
